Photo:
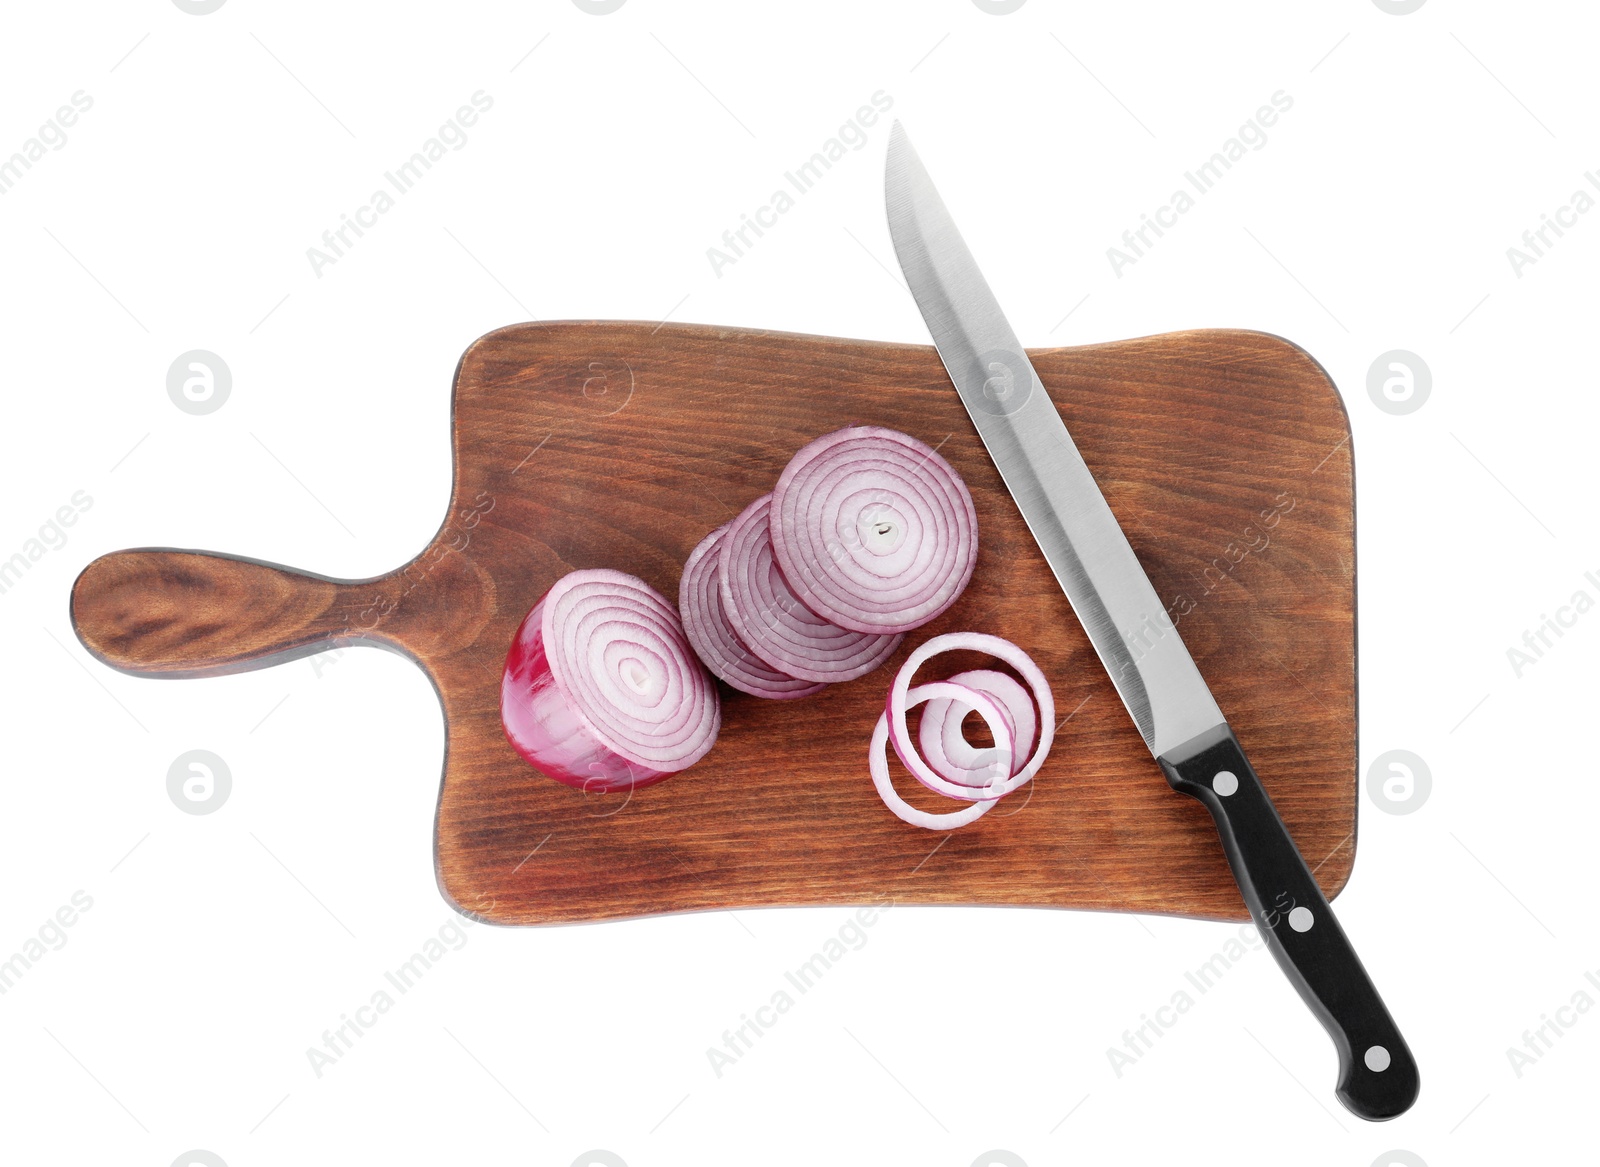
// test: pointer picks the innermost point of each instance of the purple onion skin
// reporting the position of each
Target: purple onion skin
(541, 726)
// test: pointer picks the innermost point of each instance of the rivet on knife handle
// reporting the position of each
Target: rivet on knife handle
(1377, 1074)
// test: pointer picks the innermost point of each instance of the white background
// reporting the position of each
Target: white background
(177, 216)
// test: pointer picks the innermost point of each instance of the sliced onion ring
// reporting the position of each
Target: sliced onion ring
(945, 748)
(874, 530)
(711, 634)
(601, 688)
(878, 756)
(993, 646)
(773, 621)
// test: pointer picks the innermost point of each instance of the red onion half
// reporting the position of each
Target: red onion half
(773, 622)
(874, 530)
(1000, 763)
(899, 702)
(601, 689)
(705, 621)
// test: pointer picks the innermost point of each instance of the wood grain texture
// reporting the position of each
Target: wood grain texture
(1226, 455)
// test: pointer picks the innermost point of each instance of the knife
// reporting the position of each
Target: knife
(1136, 639)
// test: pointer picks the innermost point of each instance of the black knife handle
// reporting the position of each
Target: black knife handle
(1377, 1074)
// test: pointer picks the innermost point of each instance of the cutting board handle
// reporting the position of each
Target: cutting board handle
(160, 612)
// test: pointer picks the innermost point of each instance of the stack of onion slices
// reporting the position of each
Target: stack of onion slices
(775, 623)
(868, 534)
(601, 688)
(712, 634)
(947, 763)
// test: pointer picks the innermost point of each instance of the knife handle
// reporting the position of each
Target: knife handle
(1377, 1074)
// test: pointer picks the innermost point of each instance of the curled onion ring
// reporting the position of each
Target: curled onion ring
(946, 748)
(996, 647)
(878, 756)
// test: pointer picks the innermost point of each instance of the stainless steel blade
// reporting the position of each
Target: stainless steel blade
(1053, 488)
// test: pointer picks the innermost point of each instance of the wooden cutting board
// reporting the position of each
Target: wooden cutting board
(1225, 454)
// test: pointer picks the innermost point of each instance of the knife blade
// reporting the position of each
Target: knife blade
(1136, 639)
